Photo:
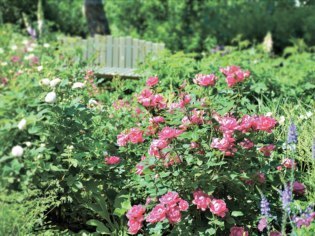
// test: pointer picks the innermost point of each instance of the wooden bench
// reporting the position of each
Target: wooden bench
(110, 56)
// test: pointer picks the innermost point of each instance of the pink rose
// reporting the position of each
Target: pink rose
(238, 231)
(157, 214)
(152, 81)
(183, 205)
(266, 150)
(218, 207)
(264, 123)
(169, 133)
(288, 163)
(136, 213)
(247, 144)
(201, 200)
(205, 80)
(139, 169)
(122, 139)
(234, 75)
(298, 188)
(170, 199)
(174, 215)
(157, 120)
(135, 135)
(112, 160)
(134, 226)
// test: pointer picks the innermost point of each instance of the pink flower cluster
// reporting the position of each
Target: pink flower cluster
(135, 218)
(135, 135)
(148, 99)
(204, 201)
(170, 208)
(228, 126)
(234, 75)
(152, 81)
(169, 133)
(205, 80)
(185, 99)
(112, 160)
(195, 118)
(238, 231)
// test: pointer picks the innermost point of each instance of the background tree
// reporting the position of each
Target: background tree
(96, 17)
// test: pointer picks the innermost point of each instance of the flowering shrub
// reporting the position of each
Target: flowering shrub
(193, 154)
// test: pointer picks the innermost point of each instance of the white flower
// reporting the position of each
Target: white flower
(34, 45)
(45, 82)
(30, 49)
(40, 68)
(14, 47)
(78, 85)
(1, 50)
(22, 124)
(28, 144)
(4, 63)
(302, 117)
(46, 45)
(309, 114)
(269, 113)
(25, 41)
(51, 97)
(54, 82)
(17, 151)
(281, 120)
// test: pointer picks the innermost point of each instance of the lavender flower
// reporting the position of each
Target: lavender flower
(31, 31)
(286, 197)
(292, 134)
(264, 207)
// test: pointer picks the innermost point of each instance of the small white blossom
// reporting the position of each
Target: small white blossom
(40, 68)
(22, 124)
(1, 50)
(14, 47)
(281, 120)
(269, 113)
(4, 63)
(78, 85)
(28, 144)
(29, 56)
(51, 97)
(46, 45)
(302, 117)
(34, 45)
(54, 82)
(45, 82)
(30, 49)
(25, 41)
(17, 151)
(309, 114)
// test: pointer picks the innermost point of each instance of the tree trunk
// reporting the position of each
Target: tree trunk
(96, 17)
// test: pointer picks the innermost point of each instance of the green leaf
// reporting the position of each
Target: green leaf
(122, 204)
(100, 227)
(237, 213)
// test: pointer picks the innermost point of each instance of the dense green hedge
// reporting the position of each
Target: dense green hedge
(189, 25)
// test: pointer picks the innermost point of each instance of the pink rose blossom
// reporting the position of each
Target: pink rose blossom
(135, 136)
(183, 205)
(266, 150)
(234, 75)
(264, 123)
(156, 146)
(169, 133)
(238, 231)
(157, 120)
(261, 178)
(152, 81)
(136, 213)
(298, 188)
(218, 207)
(262, 224)
(205, 80)
(139, 169)
(228, 124)
(112, 160)
(170, 199)
(134, 226)
(157, 214)
(201, 200)
(122, 139)
(226, 145)
(173, 215)
(288, 163)
(247, 144)
(197, 117)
